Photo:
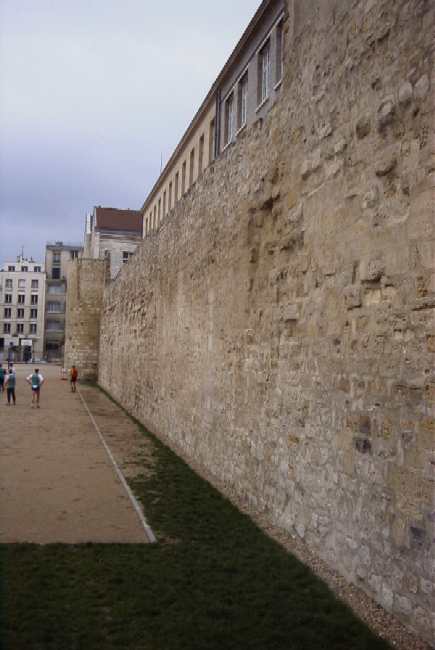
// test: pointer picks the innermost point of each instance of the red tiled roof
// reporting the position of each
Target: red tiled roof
(113, 219)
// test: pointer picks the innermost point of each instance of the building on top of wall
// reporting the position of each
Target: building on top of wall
(112, 234)
(244, 92)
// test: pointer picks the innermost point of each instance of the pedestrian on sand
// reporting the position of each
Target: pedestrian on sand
(35, 380)
(10, 383)
(73, 376)
(2, 378)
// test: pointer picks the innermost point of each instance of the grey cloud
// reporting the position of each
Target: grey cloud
(92, 94)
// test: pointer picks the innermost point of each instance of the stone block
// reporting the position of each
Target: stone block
(363, 127)
(291, 313)
(405, 94)
(421, 88)
(363, 445)
(352, 296)
(385, 165)
(371, 270)
(386, 114)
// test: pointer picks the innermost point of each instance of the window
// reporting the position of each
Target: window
(170, 196)
(229, 119)
(37, 269)
(159, 212)
(33, 328)
(34, 313)
(8, 298)
(21, 299)
(211, 141)
(6, 328)
(164, 203)
(52, 307)
(126, 256)
(155, 217)
(7, 312)
(20, 313)
(11, 268)
(74, 255)
(183, 179)
(8, 284)
(20, 328)
(177, 179)
(201, 155)
(264, 73)
(21, 284)
(279, 62)
(24, 269)
(55, 273)
(56, 288)
(191, 167)
(56, 257)
(35, 284)
(33, 299)
(242, 103)
(54, 325)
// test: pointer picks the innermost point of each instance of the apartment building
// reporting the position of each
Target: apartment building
(114, 235)
(57, 258)
(22, 301)
(244, 92)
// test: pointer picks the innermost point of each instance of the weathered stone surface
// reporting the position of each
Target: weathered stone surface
(282, 333)
(86, 282)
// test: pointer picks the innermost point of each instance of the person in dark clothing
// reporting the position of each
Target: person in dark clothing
(10, 384)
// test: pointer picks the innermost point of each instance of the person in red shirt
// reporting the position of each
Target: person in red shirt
(73, 376)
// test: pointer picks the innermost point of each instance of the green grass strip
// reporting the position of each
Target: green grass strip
(213, 582)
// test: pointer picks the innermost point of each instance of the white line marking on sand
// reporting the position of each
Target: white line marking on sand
(148, 531)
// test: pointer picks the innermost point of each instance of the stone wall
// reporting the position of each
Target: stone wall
(279, 329)
(86, 281)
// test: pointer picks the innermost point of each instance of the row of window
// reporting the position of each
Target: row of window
(57, 255)
(19, 328)
(7, 313)
(236, 118)
(21, 299)
(239, 105)
(24, 269)
(179, 185)
(9, 284)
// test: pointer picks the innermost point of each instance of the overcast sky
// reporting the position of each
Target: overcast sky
(92, 93)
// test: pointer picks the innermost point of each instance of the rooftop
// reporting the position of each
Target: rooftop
(114, 219)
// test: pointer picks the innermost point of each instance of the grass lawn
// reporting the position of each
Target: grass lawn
(213, 582)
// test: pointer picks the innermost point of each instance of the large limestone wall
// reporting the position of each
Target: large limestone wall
(86, 281)
(280, 327)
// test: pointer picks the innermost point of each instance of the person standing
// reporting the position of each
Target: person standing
(10, 383)
(35, 380)
(73, 375)
(2, 378)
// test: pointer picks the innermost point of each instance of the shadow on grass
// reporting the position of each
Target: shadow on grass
(213, 582)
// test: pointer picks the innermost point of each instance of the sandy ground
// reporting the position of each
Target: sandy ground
(57, 483)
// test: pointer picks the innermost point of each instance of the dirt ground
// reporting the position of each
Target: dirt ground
(57, 483)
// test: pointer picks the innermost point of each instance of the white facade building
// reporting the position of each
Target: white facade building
(114, 235)
(22, 307)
